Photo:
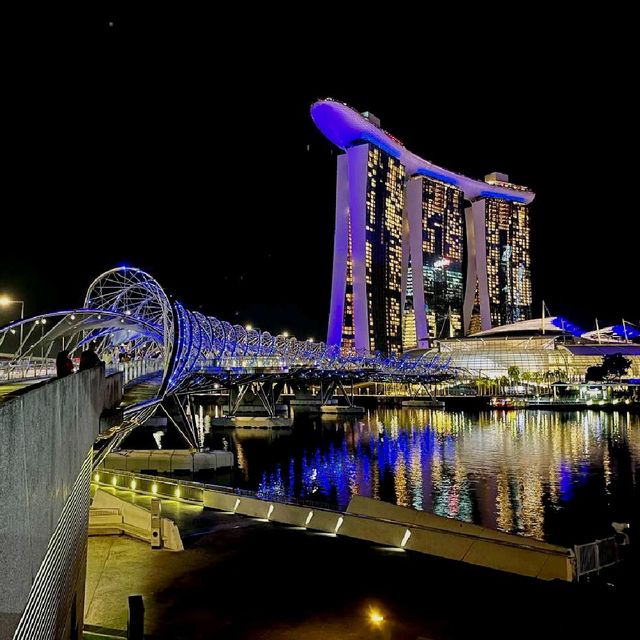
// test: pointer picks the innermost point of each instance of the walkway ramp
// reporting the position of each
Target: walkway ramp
(465, 542)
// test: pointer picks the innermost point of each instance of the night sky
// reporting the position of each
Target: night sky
(183, 145)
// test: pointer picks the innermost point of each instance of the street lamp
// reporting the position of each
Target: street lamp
(5, 301)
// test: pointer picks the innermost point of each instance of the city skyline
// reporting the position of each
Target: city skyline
(128, 140)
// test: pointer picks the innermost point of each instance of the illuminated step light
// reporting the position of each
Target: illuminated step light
(405, 539)
(271, 508)
(114, 481)
(308, 520)
(177, 492)
(154, 488)
(339, 524)
(134, 484)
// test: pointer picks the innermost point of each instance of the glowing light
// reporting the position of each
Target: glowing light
(285, 334)
(73, 317)
(376, 617)
(43, 321)
(248, 327)
(127, 312)
(339, 523)
(441, 263)
(96, 477)
(308, 520)
(271, 508)
(4, 301)
(134, 484)
(405, 539)
(13, 331)
(114, 481)
(502, 196)
(154, 488)
(237, 504)
(177, 492)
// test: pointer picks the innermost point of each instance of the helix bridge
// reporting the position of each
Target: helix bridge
(168, 354)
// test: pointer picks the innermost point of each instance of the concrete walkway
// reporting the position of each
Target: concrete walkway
(244, 578)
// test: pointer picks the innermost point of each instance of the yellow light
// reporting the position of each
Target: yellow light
(154, 488)
(134, 484)
(114, 481)
(96, 477)
(285, 334)
(248, 327)
(376, 617)
(4, 301)
(177, 492)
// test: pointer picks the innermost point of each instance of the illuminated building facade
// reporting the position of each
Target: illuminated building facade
(435, 215)
(499, 272)
(366, 312)
(400, 247)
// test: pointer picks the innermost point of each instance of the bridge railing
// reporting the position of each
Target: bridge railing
(27, 369)
(136, 368)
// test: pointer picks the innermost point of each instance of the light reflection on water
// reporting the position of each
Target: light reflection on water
(558, 476)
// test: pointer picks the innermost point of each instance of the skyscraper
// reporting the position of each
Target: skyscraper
(366, 302)
(498, 287)
(435, 215)
(399, 245)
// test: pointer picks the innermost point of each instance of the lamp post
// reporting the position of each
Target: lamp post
(5, 301)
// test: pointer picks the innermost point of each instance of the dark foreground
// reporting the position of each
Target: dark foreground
(242, 578)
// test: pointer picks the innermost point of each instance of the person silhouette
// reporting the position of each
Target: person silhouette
(89, 358)
(64, 364)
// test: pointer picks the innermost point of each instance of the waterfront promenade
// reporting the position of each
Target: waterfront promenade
(241, 577)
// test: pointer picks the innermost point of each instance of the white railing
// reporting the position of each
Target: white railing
(136, 368)
(27, 370)
(595, 556)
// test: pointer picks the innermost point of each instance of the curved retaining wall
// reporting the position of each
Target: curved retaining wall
(46, 438)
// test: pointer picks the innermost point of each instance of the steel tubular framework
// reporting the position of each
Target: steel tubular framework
(126, 306)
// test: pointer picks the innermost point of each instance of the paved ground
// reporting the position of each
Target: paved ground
(243, 578)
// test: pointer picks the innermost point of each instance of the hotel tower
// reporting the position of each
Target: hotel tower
(399, 249)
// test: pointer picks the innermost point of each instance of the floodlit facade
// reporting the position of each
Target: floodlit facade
(498, 288)
(400, 243)
(539, 346)
(435, 216)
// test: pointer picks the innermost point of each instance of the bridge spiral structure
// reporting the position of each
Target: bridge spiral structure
(186, 350)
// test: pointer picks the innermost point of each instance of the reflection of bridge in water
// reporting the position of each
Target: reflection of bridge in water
(168, 353)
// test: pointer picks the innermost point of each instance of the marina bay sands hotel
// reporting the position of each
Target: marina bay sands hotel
(400, 251)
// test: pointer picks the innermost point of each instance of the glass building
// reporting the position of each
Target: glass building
(399, 246)
(366, 311)
(442, 254)
(383, 250)
(498, 287)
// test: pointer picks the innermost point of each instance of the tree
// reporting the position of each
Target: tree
(615, 365)
(595, 373)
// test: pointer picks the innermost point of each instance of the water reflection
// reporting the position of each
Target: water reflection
(557, 476)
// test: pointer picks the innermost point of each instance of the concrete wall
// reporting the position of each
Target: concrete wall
(400, 527)
(46, 436)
